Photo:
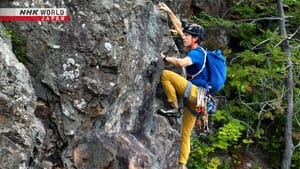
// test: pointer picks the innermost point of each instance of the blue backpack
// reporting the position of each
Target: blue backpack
(216, 65)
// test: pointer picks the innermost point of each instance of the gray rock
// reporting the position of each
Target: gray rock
(20, 131)
(95, 89)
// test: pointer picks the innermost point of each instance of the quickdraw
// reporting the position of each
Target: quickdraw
(200, 106)
(202, 117)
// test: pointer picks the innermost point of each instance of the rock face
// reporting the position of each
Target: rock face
(211, 7)
(90, 97)
(21, 133)
(96, 81)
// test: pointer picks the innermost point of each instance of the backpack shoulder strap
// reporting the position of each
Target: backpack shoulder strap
(204, 63)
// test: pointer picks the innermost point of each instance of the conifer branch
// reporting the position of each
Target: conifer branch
(288, 37)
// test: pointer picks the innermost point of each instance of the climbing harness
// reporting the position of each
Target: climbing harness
(200, 111)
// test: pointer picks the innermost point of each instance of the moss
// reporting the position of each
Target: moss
(6, 32)
(19, 45)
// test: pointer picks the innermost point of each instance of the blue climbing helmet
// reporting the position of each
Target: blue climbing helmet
(194, 30)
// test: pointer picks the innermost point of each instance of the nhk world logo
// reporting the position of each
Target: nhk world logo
(34, 14)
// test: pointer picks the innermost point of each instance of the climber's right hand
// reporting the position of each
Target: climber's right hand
(162, 6)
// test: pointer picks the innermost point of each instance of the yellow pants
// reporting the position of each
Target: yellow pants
(174, 85)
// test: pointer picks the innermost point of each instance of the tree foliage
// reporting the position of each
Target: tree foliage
(255, 105)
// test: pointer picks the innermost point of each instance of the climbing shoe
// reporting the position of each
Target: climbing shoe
(169, 113)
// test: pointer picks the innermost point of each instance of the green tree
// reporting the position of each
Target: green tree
(257, 94)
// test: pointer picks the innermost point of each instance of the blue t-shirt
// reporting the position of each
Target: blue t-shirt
(197, 58)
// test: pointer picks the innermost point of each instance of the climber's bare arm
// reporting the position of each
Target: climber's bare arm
(178, 62)
(175, 21)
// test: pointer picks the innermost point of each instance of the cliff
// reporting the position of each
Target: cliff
(88, 93)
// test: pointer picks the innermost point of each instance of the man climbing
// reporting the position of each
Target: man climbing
(175, 85)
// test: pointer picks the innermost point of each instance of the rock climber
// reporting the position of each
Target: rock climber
(175, 85)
